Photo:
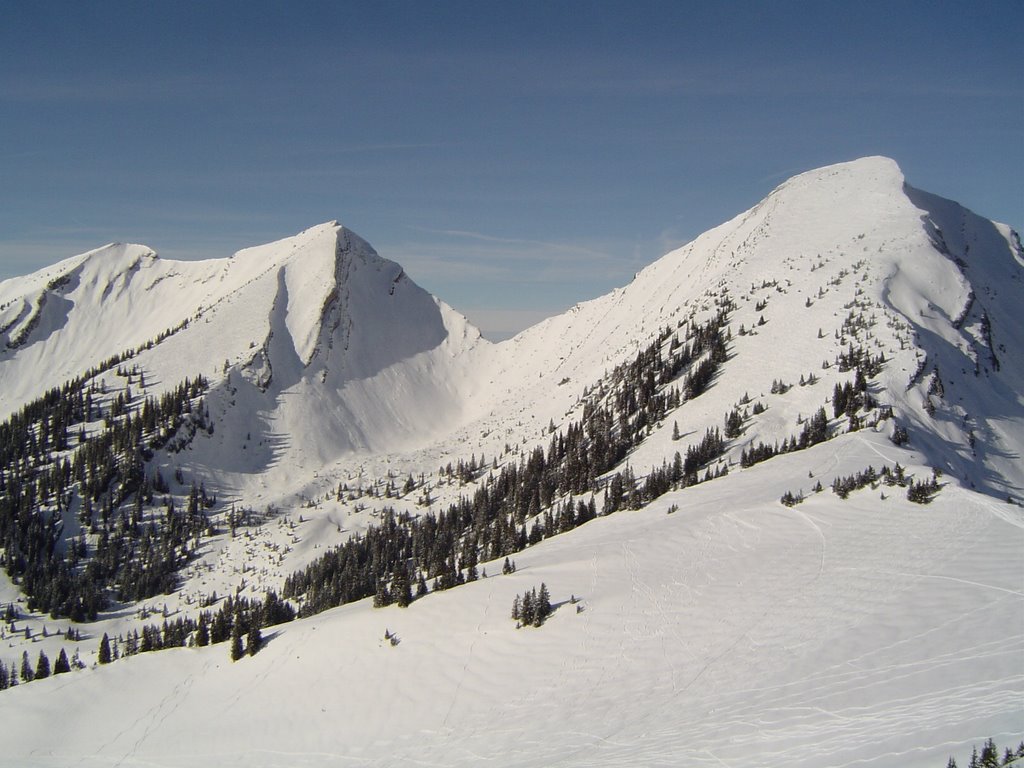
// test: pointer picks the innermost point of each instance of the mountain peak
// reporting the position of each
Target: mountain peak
(849, 345)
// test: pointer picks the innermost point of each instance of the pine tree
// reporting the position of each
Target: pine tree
(202, 631)
(382, 596)
(526, 608)
(543, 602)
(989, 754)
(42, 666)
(104, 652)
(401, 590)
(61, 665)
(254, 640)
(27, 675)
(236, 641)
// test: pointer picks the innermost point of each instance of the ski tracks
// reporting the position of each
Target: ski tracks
(662, 621)
(469, 659)
(155, 716)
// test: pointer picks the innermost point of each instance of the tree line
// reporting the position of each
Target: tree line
(403, 557)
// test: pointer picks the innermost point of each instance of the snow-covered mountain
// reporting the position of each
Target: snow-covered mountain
(847, 321)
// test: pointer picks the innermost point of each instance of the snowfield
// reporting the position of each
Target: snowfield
(732, 632)
(713, 627)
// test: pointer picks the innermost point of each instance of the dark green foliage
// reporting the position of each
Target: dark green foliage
(51, 467)
(253, 640)
(203, 630)
(62, 664)
(27, 673)
(900, 435)
(844, 486)
(104, 651)
(709, 448)
(733, 423)
(382, 595)
(790, 500)
(533, 607)
(401, 589)
(242, 614)
(42, 666)
(860, 359)
(237, 651)
(815, 430)
(922, 491)
(989, 757)
(758, 453)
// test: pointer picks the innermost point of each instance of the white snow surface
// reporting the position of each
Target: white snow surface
(735, 631)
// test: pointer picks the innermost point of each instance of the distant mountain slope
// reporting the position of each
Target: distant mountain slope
(363, 355)
(774, 486)
(317, 335)
(847, 254)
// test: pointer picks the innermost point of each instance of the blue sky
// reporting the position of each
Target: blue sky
(515, 157)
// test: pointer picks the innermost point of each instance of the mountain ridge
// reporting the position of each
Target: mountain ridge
(777, 474)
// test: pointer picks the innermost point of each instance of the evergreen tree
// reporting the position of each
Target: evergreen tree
(61, 665)
(527, 611)
(253, 640)
(27, 675)
(104, 652)
(543, 602)
(236, 641)
(382, 596)
(202, 631)
(42, 666)
(401, 590)
(989, 755)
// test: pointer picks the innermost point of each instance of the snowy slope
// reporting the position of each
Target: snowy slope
(735, 631)
(851, 237)
(314, 336)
